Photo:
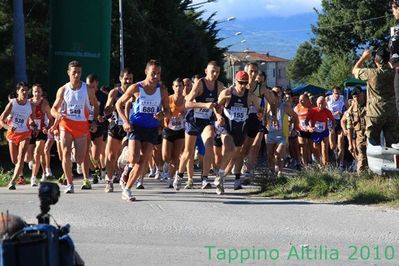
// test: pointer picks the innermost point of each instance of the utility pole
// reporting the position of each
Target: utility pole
(19, 41)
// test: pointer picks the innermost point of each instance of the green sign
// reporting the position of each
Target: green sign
(79, 30)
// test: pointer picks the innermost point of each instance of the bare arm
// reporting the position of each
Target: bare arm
(129, 93)
(109, 106)
(4, 116)
(196, 91)
(165, 102)
(55, 110)
(93, 102)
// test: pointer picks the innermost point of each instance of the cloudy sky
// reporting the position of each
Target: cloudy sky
(274, 26)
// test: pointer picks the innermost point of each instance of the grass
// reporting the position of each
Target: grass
(329, 184)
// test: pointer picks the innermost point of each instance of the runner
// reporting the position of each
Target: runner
(115, 131)
(236, 101)
(73, 125)
(337, 105)
(255, 129)
(173, 132)
(97, 148)
(277, 137)
(39, 136)
(15, 119)
(200, 121)
(320, 121)
(305, 137)
(142, 125)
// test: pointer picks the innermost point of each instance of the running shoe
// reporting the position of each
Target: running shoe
(86, 184)
(109, 186)
(43, 179)
(177, 183)
(62, 180)
(219, 185)
(69, 189)
(11, 186)
(79, 169)
(206, 184)
(170, 182)
(152, 172)
(189, 184)
(127, 195)
(95, 178)
(140, 183)
(157, 175)
(122, 183)
(33, 181)
(237, 184)
(21, 180)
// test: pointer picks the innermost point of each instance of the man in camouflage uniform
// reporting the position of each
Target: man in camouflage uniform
(381, 108)
(354, 123)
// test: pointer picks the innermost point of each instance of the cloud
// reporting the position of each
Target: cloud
(259, 8)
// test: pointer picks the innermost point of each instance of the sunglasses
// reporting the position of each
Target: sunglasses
(242, 82)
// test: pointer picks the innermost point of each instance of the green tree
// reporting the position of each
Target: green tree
(169, 31)
(333, 71)
(343, 26)
(306, 61)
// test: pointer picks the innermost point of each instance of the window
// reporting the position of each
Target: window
(274, 73)
(279, 73)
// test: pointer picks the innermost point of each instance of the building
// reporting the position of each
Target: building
(274, 67)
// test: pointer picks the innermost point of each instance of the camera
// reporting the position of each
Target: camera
(42, 243)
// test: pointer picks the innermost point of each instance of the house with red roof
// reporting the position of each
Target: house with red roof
(274, 67)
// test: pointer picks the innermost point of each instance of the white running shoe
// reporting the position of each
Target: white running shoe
(395, 146)
(43, 179)
(219, 185)
(33, 181)
(206, 184)
(79, 169)
(69, 189)
(127, 195)
(177, 183)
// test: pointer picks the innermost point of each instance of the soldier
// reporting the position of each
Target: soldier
(381, 109)
(354, 125)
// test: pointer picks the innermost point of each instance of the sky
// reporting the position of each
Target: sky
(274, 26)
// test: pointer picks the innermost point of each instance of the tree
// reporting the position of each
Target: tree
(333, 71)
(343, 26)
(170, 31)
(306, 61)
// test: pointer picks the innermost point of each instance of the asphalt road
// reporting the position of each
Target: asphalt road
(197, 227)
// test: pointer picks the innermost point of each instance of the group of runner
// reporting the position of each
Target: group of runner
(160, 132)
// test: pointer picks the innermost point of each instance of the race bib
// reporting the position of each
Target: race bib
(239, 114)
(176, 123)
(75, 111)
(18, 121)
(303, 124)
(148, 107)
(202, 113)
(320, 127)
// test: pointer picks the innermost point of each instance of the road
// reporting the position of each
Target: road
(197, 227)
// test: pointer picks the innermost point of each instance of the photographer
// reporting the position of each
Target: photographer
(381, 110)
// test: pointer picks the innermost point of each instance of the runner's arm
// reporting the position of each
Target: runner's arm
(4, 116)
(109, 106)
(94, 103)
(129, 93)
(196, 91)
(165, 102)
(55, 110)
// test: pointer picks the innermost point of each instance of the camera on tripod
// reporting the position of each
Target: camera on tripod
(42, 243)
